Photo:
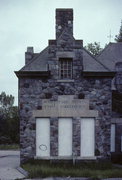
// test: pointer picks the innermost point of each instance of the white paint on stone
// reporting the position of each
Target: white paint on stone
(65, 137)
(87, 137)
(112, 137)
(42, 137)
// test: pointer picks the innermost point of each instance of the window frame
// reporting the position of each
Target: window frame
(65, 68)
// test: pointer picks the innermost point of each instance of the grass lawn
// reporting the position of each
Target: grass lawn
(93, 170)
(9, 147)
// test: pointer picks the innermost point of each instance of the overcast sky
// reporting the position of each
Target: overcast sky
(32, 22)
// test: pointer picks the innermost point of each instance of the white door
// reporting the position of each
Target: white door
(87, 137)
(42, 137)
(65, 137)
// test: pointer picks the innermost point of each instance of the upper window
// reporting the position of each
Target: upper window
(65, 68)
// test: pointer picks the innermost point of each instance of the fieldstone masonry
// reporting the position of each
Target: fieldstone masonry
(64, 19)
(54, 137)
(76, 137)
(97, 91)
(39, 81)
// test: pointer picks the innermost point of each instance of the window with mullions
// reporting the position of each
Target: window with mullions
(65, 68)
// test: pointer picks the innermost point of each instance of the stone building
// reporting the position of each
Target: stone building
(68, 99)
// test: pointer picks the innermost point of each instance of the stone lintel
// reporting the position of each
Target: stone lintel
(84, 114)
(66, 106)
(65, 80)
(63, 54)
(116, 120)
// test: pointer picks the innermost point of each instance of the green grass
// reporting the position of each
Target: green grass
(9, 147)
(89, 169)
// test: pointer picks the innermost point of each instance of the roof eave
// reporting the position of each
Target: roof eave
(32, 73)
(98, 74)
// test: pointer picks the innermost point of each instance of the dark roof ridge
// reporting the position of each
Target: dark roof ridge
(96, 59)
(34, 58)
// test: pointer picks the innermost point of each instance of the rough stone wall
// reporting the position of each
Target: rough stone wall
(53, 136)
(31, 93)
(64, 18)
(76, 137)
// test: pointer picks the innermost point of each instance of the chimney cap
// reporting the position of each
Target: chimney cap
(64, 9)
(30, 50)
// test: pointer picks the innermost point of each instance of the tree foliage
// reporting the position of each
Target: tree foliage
(118, 38)
(9, 121)
(94, 48)
(6, 101)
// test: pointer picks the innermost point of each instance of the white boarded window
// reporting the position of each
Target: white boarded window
(65, 137)
(42, 137)
(87, 137)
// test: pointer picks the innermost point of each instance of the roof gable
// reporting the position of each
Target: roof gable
(91, 64)
(111, 55)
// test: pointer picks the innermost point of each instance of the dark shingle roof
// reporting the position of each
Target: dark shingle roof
(38, 62)
(91, 64)
(105, 61)
(111, 55)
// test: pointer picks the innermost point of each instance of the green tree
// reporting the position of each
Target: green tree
(13, 124)
(6, 101)
(118, 38)
(94, 48)
(9, 120)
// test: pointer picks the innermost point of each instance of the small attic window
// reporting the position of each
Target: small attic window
(65, 68)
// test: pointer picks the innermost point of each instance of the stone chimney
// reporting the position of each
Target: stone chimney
(64, 19)
(29, 54)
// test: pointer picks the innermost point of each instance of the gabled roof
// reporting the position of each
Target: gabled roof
(38, 62)
(111, 55)
(91, 64)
